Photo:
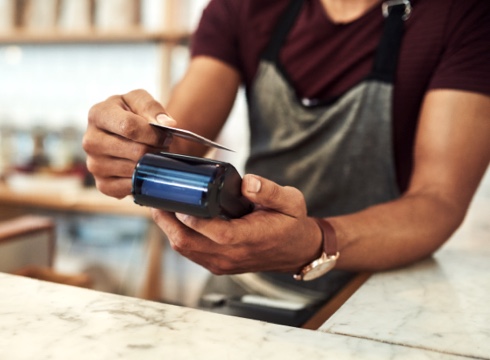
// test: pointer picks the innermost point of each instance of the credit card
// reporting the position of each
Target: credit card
(189, 135)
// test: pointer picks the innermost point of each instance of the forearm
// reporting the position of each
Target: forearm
(397, 233)
(452, 153)
(202, 101)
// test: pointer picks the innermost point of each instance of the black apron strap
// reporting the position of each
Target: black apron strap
(386, 58)
(281, 31)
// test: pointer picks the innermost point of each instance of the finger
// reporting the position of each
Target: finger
(183, 239)
(114, 117)
(142, 103)
(114, 186)
(106, 167)
(284, 199)
(222, 232)
(240, 244)
(218, 259)
(98, 143)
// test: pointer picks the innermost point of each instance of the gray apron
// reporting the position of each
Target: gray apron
(339, 154)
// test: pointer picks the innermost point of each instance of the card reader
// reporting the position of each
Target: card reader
(189, 185)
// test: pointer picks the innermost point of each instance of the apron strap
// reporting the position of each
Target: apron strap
(386, 58)
(281, 31)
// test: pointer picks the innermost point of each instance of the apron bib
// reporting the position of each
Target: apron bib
(340, 155)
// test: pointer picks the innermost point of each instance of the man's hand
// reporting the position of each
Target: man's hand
(277, 236)
(117, 136)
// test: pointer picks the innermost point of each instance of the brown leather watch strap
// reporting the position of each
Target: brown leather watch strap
(329, 237)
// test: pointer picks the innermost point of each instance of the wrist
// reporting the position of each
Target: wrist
(328, 257)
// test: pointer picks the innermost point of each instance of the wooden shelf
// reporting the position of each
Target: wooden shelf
(57, 37)
(76, 200)
(165, 39)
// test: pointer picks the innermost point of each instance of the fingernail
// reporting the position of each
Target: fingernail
(166, 120)
(253, 184)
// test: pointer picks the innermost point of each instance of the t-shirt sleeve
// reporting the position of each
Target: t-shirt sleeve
(465, 62)
(216, 34)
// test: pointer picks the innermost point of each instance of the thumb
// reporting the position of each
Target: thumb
(165, 119)
(266, 193)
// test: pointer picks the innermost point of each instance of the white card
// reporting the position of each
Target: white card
(189, 135)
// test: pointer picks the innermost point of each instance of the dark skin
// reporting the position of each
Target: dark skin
(452, 152)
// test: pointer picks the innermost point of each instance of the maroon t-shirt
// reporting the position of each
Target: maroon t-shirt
(446, 45)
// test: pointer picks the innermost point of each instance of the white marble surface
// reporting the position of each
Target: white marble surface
(442, 304)
(45, 321)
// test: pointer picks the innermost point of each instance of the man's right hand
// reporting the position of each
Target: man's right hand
(118, 135)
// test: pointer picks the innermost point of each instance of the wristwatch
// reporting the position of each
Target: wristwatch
(327, 260)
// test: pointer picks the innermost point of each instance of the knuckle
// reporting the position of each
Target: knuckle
(294, 193)
(107, 187)
(91, 165)
(215, 271)
(174, 246)
(231, 263)
(103, 108)
(180, 242)
(219, 268)
(88, 144)
(274, 192)
(139, 99)
(156, 215)
(227, 267)
(137, 93)
(138, 151)
(102, 186)
(149, 107)
(227, 236)
(93, 113)
(128, 128)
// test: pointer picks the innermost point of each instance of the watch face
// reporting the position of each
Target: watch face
(319, 268)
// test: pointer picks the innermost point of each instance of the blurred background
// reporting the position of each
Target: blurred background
(57, 59)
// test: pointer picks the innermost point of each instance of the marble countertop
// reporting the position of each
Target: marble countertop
(42, 321)
(441, 304)
(436, 309)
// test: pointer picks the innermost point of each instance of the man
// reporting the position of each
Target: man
(369, 132)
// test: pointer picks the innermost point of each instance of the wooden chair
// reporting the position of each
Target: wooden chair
(27, 248)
